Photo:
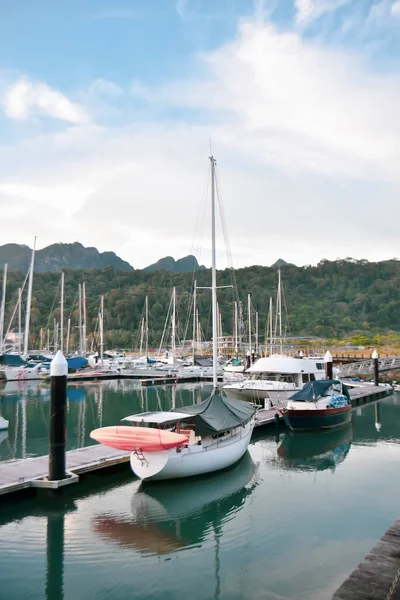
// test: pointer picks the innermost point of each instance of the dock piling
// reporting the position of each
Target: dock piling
(328, 365)
(375, 357)
(58, 411)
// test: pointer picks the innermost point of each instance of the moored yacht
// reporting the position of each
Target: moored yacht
(276, 377)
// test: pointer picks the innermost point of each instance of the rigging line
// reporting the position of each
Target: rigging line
(165, 325)
(52, 307)
(73, 305)
(226, 238)
(287, 329)
(16, 307)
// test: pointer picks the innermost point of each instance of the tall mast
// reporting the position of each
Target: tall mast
(141, 336)
(84, 317)
(214, 276)
(147, 327)
(194, 317)
(271, 334)
(29, 301)
(101, 321)
(3, 306)
(173, 324)
(80, 317)
(236, 330)
(256, 341)
(55, 336)
(62, 314)
(20, 319)
(279, 307)
(249, 312)
(68, 334)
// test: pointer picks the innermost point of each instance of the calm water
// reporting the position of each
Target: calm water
(291, 520)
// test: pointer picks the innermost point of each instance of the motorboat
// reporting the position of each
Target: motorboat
(235, 365)
(319, 405)
(27, 372)
(276, 377)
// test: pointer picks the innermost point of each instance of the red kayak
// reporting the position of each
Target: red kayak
(134, 439)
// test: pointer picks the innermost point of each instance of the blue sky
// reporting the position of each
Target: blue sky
(107, 108)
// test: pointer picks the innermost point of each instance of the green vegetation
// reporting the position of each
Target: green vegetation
(341, 299)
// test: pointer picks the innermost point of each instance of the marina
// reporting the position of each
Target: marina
(246, 511)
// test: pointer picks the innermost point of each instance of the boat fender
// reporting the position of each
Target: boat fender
(276, 419)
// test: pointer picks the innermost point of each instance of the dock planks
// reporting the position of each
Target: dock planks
(30, 472)
(377, 577)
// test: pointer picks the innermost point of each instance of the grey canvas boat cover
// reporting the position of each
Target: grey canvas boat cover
(314, 390)
(218, 414)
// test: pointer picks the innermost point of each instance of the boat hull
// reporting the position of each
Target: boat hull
(328, 418)
(251, 393)
(196, 459)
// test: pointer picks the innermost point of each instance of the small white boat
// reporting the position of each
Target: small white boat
(3, 424)
(38, 371)
(235, 365)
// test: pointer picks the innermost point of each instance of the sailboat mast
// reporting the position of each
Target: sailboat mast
(214, 275)
(271, 334)
(147, 327)
(256, 341)
(68, 334)
(101, 321)
(236, 329)
(28, 303)
(249, 312)
(80, 316)
(62, 314)
(84, 317)
(19, 319)
(3, 306)
(173, 324)
(280, 308)
(194, 318)
(141, 336)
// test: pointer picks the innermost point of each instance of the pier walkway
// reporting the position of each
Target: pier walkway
(31, 472)
(377, 577)
(366, 367)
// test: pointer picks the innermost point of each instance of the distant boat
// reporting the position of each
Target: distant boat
(319, 405)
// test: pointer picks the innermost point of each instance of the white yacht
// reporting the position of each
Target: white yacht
(276, 377)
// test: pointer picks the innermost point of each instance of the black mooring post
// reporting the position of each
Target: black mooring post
(58, 412)
(375, 357)
(328, 365)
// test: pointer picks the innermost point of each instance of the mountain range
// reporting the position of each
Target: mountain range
(76, 256)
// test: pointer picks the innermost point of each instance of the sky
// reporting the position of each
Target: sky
(109, 110)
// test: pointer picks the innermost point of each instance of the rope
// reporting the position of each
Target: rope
(394, 586)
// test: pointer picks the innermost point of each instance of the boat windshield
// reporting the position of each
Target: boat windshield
(272, 377)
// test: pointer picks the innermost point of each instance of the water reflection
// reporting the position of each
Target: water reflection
(168, 516)
(315, 451)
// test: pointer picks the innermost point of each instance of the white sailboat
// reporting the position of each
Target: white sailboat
(217, 431)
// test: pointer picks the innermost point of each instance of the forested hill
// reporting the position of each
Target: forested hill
(333, 299)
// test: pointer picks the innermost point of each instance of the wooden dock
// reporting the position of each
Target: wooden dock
(377, 577)
(31, 472)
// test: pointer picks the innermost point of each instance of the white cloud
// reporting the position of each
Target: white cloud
(304, 135)
(25, 99)
(395, 10)
(311, 10)
(105, 87)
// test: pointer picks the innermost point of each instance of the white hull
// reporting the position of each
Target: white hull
(250, 392)
(24, 374)
(3, 424)
(209, 456)
(233, 369)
